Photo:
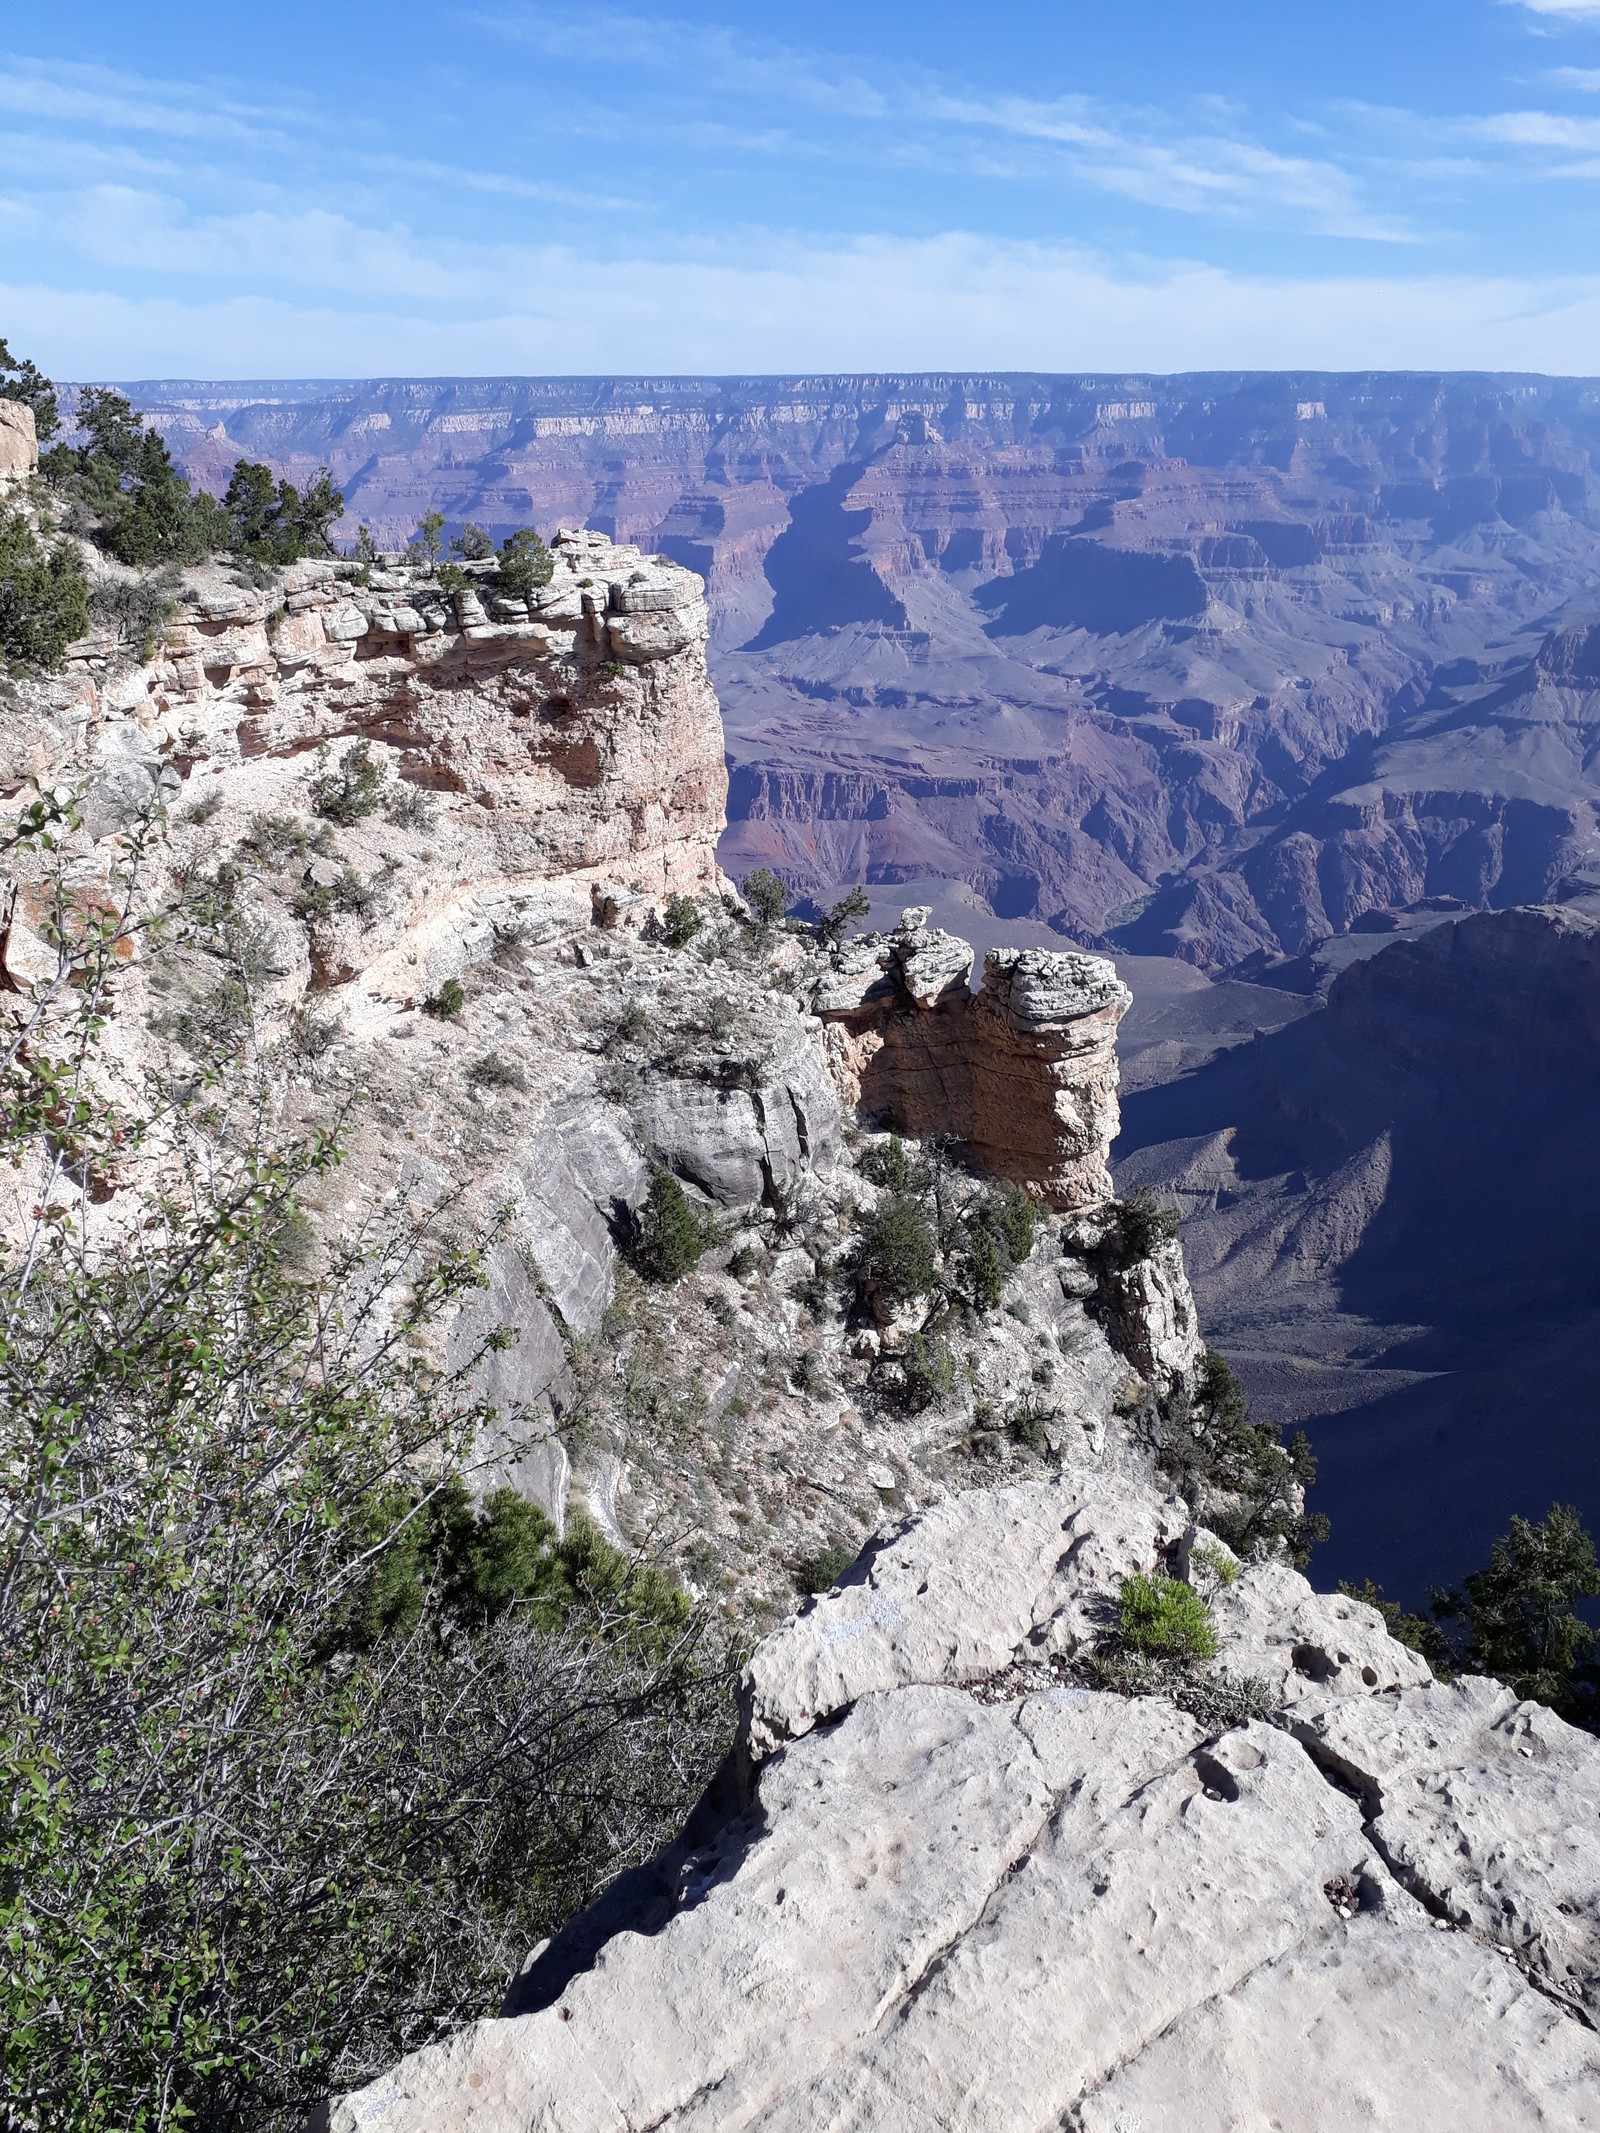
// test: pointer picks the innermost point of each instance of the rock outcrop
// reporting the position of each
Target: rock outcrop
(953, 1884)
(1024, 1073)
(19, 447)
(580, 728)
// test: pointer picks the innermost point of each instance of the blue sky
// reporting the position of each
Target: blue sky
(350, 189)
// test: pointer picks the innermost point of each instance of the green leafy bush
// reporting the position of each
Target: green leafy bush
(681, 920)
(928, 1371)
(350, 790)
(446, 1004)
(472, 544)
(1162, 1618)
(886, 1163)
(986, 1269)
(1238, 1475)
(669, 1236)
(899, 1253)
(822, 1571)
(1144, 1225)
(287, 1671)
(526, 565)
(766, 896)
(137, 611)
(44, 595)
(1519, 1613)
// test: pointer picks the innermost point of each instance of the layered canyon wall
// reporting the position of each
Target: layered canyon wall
(1174, 663)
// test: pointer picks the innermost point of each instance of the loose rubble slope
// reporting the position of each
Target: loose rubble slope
(951, 1884)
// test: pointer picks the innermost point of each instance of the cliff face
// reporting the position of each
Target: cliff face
(950, 1884)
(388, 795)
(1024, 1073)
(583, 739)
(19, 449)
(1226, 660)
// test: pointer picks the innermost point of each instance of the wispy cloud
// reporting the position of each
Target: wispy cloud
(1562, 10)
(1198, 173)
(101, 97)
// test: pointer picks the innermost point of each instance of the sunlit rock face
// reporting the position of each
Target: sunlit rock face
(944, 1883)
(19, 448)
(1024, 1073)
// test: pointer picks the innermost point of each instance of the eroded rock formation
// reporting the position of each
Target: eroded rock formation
(986, 1895)
(1024, 1073)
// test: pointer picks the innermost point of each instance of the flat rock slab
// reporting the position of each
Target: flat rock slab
(944, 1906)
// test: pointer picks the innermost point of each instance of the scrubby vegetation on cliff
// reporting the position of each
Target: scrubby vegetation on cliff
(302, 1747)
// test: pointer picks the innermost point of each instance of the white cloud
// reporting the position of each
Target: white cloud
(101, 98)
(951, 302)
(1160, 166)
(1562, 10)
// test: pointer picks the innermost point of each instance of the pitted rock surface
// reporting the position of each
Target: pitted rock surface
(1069, 1908)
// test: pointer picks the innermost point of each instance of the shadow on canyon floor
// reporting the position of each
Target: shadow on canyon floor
(1389, 1212)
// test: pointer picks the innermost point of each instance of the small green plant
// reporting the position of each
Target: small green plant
(745, 1261)
(350, 790)
(928, 1371)
(887, 1164)
(1216, 1564)
(810, 1372)
(680, 920)
(446, 1004)
(137, 609)
(822, 1571)
(281, 837)
(452, 580)
(410, 806)
(1162, 1618)
(495, 1071)
(721, 1016)
(766, 895)
(633, 1024)
(900, 1254)
(1144, 1225)
(669, 1236)
(1027, 1425)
